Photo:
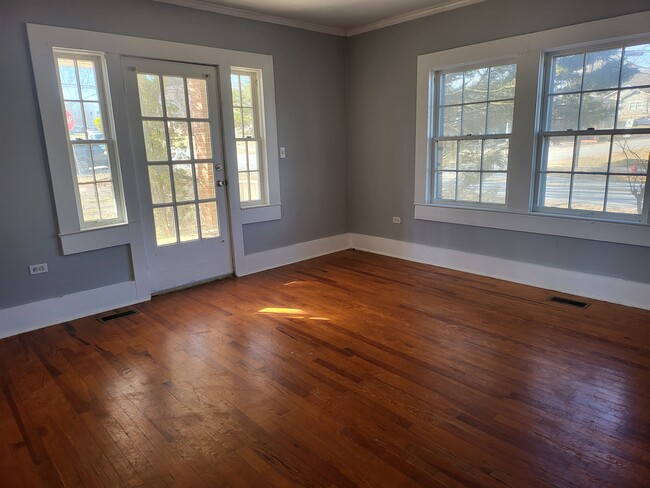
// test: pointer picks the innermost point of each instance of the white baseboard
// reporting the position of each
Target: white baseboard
(35, 315)
(615, 290)
(296, 252)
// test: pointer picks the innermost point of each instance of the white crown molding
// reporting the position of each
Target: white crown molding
(408, 16)
(273, 19)
(247, 14)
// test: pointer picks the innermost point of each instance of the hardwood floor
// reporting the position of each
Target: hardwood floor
(347, 370)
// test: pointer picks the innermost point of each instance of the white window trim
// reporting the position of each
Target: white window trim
(528, 52)
(42, 39)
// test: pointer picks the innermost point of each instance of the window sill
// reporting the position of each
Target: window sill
(92, 239)
(634, 233)
(262, 213)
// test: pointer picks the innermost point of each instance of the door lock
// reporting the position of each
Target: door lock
(218, 166)
(222, 182)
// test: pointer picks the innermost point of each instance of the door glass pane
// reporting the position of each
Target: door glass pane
(209, 221)
(149, 92)
(155, 141)
(592, 153)
(165, 225)
(201, 140)
(205, 181)
(198, 94)
(179, 140)
(183, 182)
(187, 225)
(160, 183)
(175, 96)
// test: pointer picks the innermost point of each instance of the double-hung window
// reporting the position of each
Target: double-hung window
(474, 109)
(546, 132)
(596, 132)
(91, 146)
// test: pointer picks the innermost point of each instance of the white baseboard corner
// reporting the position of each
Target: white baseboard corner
(274, 258)
(36, 315)
(614, 290)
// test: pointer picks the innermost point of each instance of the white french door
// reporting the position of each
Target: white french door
(178, 154)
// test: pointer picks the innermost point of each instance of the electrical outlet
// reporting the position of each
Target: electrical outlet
(283, 153)
(37, 268)
(397, 220)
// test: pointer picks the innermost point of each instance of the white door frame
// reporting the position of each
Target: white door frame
(44, 38)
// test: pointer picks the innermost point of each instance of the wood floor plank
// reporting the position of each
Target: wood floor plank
(351, 369)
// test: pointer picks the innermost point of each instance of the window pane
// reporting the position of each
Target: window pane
(495, 154)
(209, 221)
(160, 183)
(502, 81)
(198, 94)
(239, 128)
(493, 188)
(598, 110)
(474, 118)
(475, 88)
(155, 141)
(630, 153)
(244, 193)
(187, 225)
(446, 185)
(83, 163)
(179, 140)
(625, 194)
(450, 121)
(254, 178)
(68, 78)
(202, 140)
(242, 156)
(253, 164)
(588, 192)
(452, 89)
(94, 120)
(566, 73)
(107, 204)
(149, 93)
(183, 182)
(559, 154)
(500, 117)
(563, 112)
(75, 121)
(246, 90)
(469, 155)
(249, 122)
(634, 109)
(89, 203)
(447, 154)
(636, 65)
(469, 186)
(175, 96)
(236, 92)
(592, 153)
(602, 69)
(205, 180)
(555, 190)
(165, 224)
(101, 162)
(88, 80)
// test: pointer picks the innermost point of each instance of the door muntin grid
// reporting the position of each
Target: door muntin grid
(179, 156)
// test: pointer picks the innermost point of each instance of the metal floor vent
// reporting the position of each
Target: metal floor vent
(568, 301)
(118, 315)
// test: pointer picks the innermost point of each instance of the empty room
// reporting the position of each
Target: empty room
(324, 243)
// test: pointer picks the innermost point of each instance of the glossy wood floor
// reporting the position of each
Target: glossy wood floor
(346, 370)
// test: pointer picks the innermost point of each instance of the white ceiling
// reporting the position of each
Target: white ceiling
(341, 17)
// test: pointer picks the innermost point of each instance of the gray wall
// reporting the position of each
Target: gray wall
(381, 133)
(310, 95)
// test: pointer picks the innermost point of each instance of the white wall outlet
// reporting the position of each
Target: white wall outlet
(37, 268)
(283, 153)
(397, 220)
